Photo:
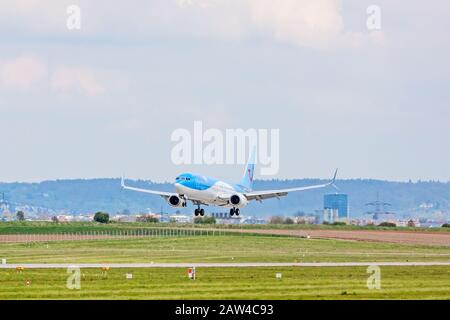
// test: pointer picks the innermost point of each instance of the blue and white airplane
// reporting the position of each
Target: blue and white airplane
(202, 190)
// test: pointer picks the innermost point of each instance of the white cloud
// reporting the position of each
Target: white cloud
(83, 80)
(307, 23)
(315, 24)
(25, 72)
(34, 16)
(22, 72)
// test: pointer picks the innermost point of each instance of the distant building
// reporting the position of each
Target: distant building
(254, 220)
(180, 218)
(225, 218)
(124, 218)
(311, 219)
(337, 201)
(5, 211)
(407, 223)
(330, 215)
(221, 215)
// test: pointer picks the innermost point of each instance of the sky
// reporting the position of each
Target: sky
(104, 100)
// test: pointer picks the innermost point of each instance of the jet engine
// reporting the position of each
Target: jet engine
(177, 201)
(238, 200)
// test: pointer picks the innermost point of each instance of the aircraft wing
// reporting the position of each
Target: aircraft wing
(266, 194)
(163, 194)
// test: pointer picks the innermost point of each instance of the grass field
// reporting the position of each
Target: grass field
(50, 227)
(398, 282)
(229, 283)
(233, 248)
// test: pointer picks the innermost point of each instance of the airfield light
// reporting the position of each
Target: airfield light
(191, 273)
(104, 272)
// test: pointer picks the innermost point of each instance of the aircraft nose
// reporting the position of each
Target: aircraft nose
(177, 186)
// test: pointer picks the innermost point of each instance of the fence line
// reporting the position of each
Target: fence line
(114, 234)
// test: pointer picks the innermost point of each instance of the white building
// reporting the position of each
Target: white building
(330, 215)
(181, 218)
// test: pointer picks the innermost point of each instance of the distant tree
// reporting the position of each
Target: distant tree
(446, 225)
(101, 217)
(288, 221)
(198, 220)
(20, 216)
(55, 219)
(147, 218)
(339, 223)
(276, 220)
(387, 224)
(411, 223)
(204, 220)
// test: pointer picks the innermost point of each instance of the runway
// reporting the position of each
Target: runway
(217, 265)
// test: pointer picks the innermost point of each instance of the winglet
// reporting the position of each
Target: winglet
(334, 177)
(332, 181)
(122, 182)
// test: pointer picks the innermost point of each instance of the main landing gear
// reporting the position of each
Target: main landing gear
(234, 211)
(199, 211)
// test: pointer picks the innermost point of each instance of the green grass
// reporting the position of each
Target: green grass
(28, 227)
(230, 283)
(220, 283)
(231, 248)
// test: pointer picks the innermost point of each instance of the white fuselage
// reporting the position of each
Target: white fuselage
(218, 194)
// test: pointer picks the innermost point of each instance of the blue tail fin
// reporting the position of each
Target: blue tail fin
(247, 179)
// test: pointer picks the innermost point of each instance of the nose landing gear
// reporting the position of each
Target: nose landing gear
(234, 211)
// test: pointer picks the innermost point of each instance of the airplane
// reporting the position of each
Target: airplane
(202, 190)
